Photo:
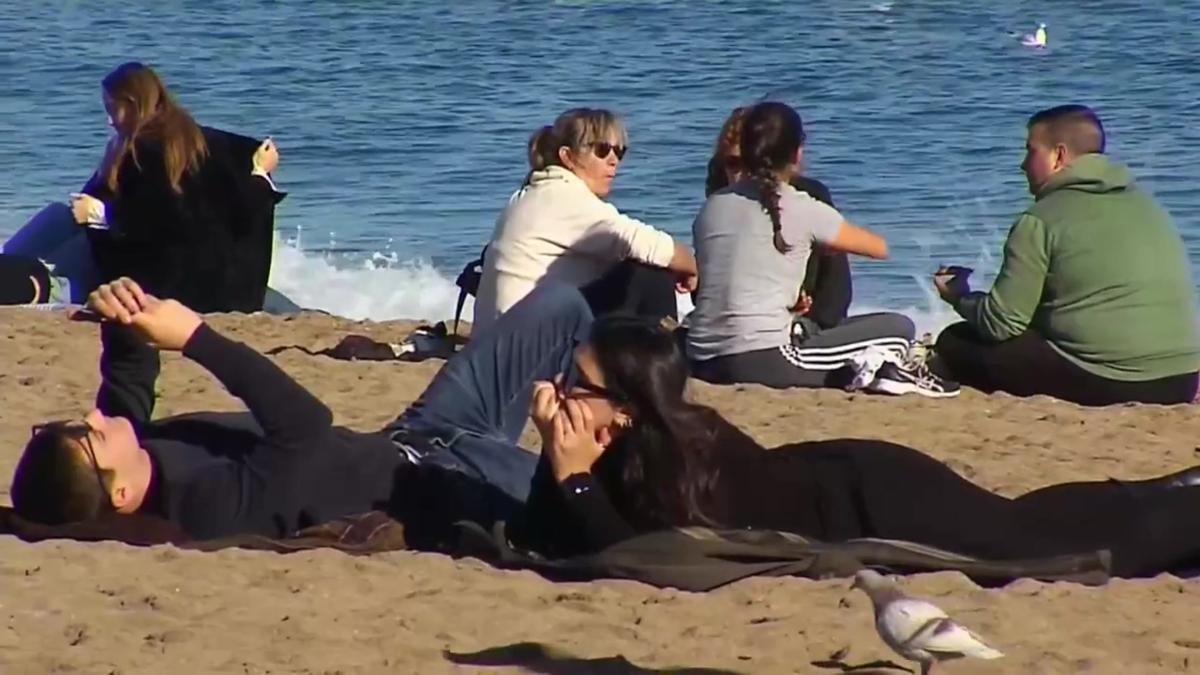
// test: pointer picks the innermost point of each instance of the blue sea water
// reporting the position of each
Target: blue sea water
(403, 125)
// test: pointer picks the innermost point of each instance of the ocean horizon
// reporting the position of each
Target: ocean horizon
(402, 127)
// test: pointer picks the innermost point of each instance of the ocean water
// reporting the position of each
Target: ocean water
(403, 125)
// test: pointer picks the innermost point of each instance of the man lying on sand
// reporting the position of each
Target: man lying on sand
(284, 466)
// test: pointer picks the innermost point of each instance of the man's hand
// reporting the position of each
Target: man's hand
(951, 282)
(166, 324)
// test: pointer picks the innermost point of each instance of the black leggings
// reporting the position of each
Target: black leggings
(819, 359)
(867, 488)
(1027, 365)
(634, 288)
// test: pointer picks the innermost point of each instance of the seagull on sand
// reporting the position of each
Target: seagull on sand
(915, 629)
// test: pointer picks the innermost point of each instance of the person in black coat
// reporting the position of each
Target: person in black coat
(186, 212)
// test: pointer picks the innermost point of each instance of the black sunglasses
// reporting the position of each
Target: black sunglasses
(79, 432)
(566, 389)
(601, 150)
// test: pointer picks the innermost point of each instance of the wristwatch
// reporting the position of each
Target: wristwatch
(577, 484)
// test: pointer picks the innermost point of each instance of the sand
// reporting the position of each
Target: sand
(110, 608)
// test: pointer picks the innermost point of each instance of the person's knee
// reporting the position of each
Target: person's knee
(560, 300)
(893, 324)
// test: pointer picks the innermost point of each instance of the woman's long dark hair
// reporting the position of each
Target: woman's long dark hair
(771, 134)
(726, 155)
(662, 467)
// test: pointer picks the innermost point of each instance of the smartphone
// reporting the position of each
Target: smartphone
(86, 314)
(953, 271)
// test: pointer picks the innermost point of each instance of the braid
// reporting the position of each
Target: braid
(768, 196)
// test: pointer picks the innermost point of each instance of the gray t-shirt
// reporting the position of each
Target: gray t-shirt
(746, 285)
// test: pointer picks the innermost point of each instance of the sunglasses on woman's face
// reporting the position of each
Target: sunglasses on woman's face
(602, 150)
(576, 387)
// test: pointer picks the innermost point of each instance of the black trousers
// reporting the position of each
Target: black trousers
(865, 488)
(634, 288)
(1027, 365)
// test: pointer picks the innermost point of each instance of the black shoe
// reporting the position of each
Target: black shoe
(897, 380)
(1180, 479)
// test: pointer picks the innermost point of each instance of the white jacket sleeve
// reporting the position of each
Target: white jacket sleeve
(617, 236)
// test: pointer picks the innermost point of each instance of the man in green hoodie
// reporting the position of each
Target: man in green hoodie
(1094, 301)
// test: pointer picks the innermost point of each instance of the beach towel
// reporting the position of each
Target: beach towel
(691, 559)
(371, 532)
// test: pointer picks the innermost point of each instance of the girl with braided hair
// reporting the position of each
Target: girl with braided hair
(753, 240)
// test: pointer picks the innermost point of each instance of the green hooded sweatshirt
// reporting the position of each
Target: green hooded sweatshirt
(1097, 268)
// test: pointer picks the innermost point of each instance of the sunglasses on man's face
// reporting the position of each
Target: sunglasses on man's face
(602, 150)
(80, 432)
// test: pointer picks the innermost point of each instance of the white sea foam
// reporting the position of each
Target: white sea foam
(383, 287)
(377, 287)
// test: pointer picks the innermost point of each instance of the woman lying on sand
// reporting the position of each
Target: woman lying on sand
(624, 452)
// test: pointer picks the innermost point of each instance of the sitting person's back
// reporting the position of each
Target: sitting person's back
(1118, 296)
(754, 240)
(748, 287)
(1094, 301)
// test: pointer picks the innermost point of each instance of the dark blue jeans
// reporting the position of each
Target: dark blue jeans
(474, 410)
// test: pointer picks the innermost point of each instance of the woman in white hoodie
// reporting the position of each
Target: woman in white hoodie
(558, 227)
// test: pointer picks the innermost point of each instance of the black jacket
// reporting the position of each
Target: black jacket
(281, 468)
(209, 246)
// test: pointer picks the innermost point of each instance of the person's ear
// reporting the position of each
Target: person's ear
(121, 496)
(1062, 156)
(621, 422)
(604, 437)
(567, 157)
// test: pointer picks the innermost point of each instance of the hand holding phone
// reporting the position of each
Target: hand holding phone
(953, 271)
(951, 281)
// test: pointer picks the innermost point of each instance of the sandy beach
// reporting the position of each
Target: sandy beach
(111, 608)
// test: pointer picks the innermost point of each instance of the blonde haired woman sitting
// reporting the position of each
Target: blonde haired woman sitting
(558, 227)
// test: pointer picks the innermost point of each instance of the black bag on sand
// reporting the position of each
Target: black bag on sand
(468, 284)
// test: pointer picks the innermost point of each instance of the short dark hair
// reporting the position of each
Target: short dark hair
(55, 483)
(1078, 127)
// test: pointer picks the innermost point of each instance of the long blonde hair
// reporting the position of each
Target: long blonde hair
(575, 129)
(144, 109)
